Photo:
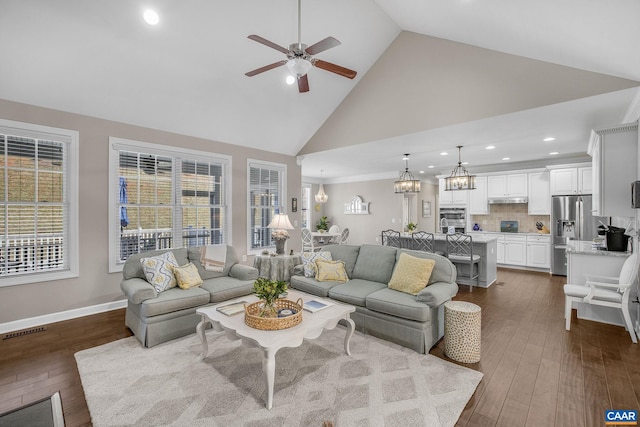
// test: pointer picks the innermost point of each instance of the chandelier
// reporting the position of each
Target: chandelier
(459, 178)
(321, 197)
(406, 183)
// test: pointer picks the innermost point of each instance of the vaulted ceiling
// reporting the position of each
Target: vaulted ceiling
(414, 91)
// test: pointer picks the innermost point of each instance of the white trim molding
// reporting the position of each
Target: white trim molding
(45, 319)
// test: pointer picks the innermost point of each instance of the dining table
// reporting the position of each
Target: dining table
(325, 237)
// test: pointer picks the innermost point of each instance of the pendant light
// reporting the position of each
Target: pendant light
(406, 183)
(321, 197)
(459, 178)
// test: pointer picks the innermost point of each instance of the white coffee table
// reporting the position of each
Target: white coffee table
(312, 325)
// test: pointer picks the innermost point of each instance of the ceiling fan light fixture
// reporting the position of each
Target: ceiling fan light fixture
(406, 183)
(298, 66)
(459, 178)
(290, 80)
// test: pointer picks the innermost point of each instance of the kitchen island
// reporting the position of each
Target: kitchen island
(583, 259)
(485, 246)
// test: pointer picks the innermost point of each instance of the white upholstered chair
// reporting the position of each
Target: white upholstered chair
(605, 291)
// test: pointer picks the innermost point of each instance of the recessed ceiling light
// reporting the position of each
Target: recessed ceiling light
(549, 139)
(553, 153)
(506, 158)
(430, 166)
(465, 163)
(444, 153)
(290, 80)
(490, 147)
(151, 17)
(421, 171)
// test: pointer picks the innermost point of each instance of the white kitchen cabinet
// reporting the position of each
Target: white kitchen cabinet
(585, 180)
(452, 198)
(500, 254)
(512, 185)
(570, 181)
(614, 155)
(539, 195)
(563, 181)
(539, 251)
(515, 250)
(478, 202)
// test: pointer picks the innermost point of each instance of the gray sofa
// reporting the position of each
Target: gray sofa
(416, 322)
(158, 317)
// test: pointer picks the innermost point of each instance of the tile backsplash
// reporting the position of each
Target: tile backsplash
(509, 212)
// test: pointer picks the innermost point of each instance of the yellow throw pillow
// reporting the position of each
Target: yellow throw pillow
(187, 276)
(331, 271)
(411, 274)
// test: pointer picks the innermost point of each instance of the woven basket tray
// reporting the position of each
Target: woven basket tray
(252, 319)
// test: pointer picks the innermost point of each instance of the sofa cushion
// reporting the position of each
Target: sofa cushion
(331, 271)
(398, 304)
(312, 286)
(133, 268)
(444, 270)
(187, 276)
(224, 288)
(309, 261)
(411, 274)
(375, 263)
(194, 257)
(158, 270)
(355, 291)
(174, 299)
(346, 253)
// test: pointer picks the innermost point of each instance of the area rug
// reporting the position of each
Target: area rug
(43, 413)
(380, 384)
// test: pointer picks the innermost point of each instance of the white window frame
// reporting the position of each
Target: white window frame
(72, 139)
(120, 144)
(282, 169)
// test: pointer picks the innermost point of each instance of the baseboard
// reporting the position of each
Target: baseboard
(17, 325)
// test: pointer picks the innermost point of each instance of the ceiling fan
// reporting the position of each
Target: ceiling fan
(300, 58)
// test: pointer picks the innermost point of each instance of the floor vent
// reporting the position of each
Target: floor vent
(24, 332)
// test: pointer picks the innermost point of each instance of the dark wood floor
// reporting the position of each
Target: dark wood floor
(536, 373)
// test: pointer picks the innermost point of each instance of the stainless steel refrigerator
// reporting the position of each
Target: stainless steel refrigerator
(571, 219)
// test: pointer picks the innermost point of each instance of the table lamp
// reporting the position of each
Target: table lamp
(280, 224)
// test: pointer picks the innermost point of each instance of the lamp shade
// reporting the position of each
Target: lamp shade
(281, 222)
(298, 66)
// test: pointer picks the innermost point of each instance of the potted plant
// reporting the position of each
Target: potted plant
(411, 226)
(269, 291)
(322, 225)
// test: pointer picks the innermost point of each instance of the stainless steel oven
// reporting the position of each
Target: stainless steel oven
(453, 217)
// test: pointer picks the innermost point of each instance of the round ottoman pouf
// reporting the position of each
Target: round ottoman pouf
(462, 331)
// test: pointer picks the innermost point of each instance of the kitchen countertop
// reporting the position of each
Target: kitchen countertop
(476, 239)
(583, 247)
(507, 233)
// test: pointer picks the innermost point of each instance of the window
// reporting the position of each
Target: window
(162, 198)
(266, 198)
(38, 197)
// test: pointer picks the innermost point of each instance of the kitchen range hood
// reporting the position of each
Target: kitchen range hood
(507, 200)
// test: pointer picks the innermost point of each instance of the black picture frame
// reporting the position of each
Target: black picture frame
(294, 205)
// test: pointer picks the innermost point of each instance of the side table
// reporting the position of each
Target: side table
(462, 331)
(277, 267)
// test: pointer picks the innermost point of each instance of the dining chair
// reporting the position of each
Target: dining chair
(335, 230)
(391, 238)
(607, 292)
(344, 237)
(422, 241)
(308, 244)
(460, 253)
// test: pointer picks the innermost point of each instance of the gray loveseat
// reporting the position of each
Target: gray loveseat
(416, 322)
(158, 317)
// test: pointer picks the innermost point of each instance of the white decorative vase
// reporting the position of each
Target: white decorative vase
(280, 246)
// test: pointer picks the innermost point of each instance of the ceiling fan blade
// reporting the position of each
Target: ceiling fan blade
(345, 72)
(322, 45)
(265, 68)
(266, 42)
(303, 84)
